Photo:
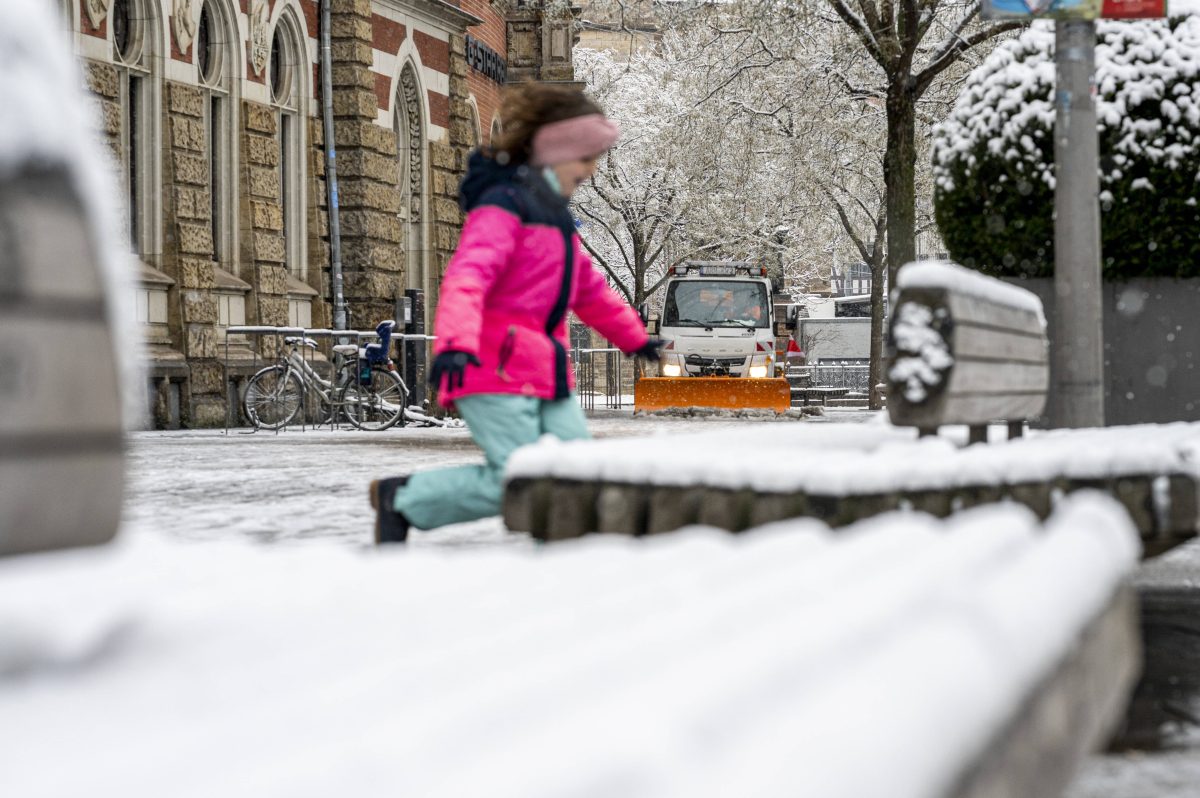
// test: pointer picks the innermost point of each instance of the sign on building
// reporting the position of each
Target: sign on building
(1074, 9)
(486, 61)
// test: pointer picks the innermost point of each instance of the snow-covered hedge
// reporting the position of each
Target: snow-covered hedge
(994, 155)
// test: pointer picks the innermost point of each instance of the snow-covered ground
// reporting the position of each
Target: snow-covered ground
(839, 459)
(310, 486)
(131, 658)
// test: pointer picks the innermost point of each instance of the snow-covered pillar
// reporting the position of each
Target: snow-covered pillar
(1077, 396)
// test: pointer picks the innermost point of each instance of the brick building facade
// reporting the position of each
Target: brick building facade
(213, 111)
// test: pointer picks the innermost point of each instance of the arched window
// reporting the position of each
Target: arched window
(131, 33)
(215, 59)
(287, 70)
(494, 130)
(410, 147)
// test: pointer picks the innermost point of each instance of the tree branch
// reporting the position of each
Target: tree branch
(616, 280)
(864, 34)
(956, 48)
(844, 218)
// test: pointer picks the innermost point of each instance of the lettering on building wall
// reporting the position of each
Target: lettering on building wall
(486, 61)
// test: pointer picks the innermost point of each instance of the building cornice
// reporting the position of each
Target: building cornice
(434, 12)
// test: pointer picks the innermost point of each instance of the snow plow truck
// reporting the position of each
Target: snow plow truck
(719, 328)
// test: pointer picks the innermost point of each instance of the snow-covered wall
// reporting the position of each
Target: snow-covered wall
(856, 460)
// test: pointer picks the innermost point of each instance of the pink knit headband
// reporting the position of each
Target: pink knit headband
(573, 139)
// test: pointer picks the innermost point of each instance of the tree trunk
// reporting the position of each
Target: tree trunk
(875, 370)
(898, 176)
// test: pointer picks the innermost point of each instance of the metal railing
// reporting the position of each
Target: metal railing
(599, 376)
(853, 378)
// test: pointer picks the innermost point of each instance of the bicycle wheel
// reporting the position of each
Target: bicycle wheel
(273, 398)
(378, 405)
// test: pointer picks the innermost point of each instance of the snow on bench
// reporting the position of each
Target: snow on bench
(736, 479)
(964, 348)
(910, 658)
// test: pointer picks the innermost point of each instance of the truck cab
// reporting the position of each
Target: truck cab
(717, 321)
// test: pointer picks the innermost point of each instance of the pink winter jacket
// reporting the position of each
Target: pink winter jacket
(512, 280)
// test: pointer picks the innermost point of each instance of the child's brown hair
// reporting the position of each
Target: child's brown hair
(527, 107)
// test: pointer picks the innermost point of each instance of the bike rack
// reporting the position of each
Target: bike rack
(232, 408)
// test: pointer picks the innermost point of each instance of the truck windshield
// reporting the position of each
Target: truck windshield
(716, 303)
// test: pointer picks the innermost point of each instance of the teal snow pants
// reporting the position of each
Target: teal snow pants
(499, 423)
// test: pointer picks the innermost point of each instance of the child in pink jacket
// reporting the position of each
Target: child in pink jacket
(501, 326)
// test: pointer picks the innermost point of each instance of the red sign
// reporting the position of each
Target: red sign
(1133, 9)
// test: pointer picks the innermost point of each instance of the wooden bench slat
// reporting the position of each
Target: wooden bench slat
(992, 344)
(982, 311)
(977, 377)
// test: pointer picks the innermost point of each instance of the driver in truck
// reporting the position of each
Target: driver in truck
(749, 308)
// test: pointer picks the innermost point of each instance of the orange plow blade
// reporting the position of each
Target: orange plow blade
(725, 393)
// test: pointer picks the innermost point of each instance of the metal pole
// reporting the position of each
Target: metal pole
(415, 349)
(1077, 395)
(331, 186)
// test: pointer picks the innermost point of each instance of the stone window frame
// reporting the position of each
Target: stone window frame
(473, 115)
(139, 103)
(220, 96)
(68, 10)
(292, 194)
(409, 100)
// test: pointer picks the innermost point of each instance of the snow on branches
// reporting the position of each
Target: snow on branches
(994, 155)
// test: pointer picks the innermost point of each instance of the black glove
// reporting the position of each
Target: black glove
(649, 350)
(451, 364)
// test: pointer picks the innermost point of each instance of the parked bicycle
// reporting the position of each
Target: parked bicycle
(365, 387)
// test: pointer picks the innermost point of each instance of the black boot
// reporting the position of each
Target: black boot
(390, 526)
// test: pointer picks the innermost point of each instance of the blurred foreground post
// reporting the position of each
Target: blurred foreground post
(1077, 398)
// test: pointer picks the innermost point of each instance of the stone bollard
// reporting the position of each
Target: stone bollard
(572, 505)
(622, 509)
(671, 508)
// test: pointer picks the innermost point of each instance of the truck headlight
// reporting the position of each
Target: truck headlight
(671, 370)
(758, 372)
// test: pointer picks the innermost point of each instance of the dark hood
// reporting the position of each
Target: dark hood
(483, 172)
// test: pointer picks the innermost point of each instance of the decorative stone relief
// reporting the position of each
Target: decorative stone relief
(260, 35)
(184, 22)
(97, 10)
(416, 147)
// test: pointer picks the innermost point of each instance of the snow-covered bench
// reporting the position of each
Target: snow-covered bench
(913, 658)
(964, 348)
(755, 474)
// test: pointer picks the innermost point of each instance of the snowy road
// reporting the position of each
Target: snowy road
(309, 488)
